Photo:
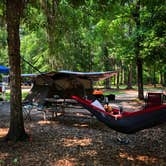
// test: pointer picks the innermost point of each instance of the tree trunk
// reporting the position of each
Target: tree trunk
(51, 11)
(117, 82)
(139, 61)
(140, 79)
(122, 74)
(130, 77)
(14, 11)
(161, 78)
(154, 76)
(106, 64)
(90, 65)
(164, 78)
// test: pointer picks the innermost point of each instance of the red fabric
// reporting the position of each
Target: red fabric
(154, 99)
(150, 109)
(115, 112)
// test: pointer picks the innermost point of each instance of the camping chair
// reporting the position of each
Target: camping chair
(153, 99)
(27, 108)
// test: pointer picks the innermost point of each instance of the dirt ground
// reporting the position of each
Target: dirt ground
(81, 140)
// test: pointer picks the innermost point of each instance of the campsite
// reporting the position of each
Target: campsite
(75, 139)
(82, 83)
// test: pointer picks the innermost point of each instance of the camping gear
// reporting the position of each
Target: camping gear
(153, 99)
(4, 69)
(64, 84)
(98, 94)
(127, 122)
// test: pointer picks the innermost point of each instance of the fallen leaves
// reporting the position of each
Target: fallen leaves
(74, 140)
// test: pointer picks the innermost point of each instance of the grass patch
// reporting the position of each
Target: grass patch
(113, 92)
(7, 95)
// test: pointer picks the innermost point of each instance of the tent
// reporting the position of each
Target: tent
(4, 69)
(64, 84)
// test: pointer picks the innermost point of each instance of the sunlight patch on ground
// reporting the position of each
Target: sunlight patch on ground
(126, 156)
(81, 125)
(65, 162)
(42, 122)
(144, 158)
(3, 156)
(88, 153)
(3, 132)
(76, 142)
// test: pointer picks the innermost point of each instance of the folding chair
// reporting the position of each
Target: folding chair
(153, 99)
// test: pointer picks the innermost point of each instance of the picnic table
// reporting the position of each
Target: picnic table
(57, 105)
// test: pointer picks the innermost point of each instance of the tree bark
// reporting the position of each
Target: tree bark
(14, 11)
(50, 9)
(117, 81)
(106, 64)
(130, 77)
(161, 78)
(154, 76)
(164, 78)
(139, 60)
(140, 78)
(122, 73)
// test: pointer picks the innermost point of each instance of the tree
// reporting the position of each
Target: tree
(139, 60)
(3, 42)
(50, 8)
(87, 35)
(14, 11)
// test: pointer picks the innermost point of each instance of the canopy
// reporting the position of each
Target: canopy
(64, 84)
(93, 76)
(4, 69)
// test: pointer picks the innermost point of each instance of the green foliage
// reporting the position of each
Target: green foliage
(90, 36)
(34, 49)
(7, 95)
(3, 46)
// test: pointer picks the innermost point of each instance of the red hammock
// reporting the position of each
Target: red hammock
(127, 122)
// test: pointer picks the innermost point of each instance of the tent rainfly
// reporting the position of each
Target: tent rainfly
(64, 84)
(4, 69)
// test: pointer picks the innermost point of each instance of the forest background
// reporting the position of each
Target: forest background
(95, 35)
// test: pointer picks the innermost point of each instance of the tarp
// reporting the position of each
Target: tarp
(4, 69)
(64, 84)
(93, 76)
